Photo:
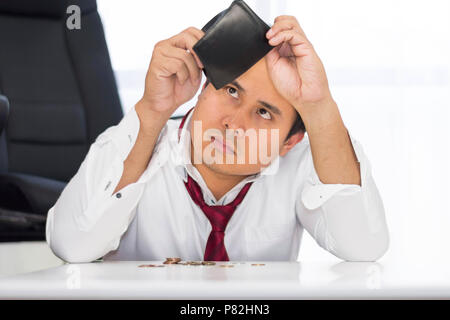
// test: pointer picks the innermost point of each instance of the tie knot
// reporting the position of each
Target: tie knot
(217, 215)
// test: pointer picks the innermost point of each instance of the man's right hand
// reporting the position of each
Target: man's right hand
(174, 74)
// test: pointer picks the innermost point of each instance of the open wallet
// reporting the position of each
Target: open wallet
(234, 40)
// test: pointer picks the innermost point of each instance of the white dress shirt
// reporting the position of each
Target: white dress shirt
(155, 217)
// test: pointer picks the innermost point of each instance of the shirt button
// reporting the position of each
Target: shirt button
(118, 195)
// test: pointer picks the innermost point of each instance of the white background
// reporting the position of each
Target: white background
(388, 66)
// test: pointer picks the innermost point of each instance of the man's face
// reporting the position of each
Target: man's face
(250, 117)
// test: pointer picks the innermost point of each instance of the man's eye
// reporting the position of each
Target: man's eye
(264, 113)
(233, 92)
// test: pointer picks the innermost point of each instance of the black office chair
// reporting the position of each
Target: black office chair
(62, 94)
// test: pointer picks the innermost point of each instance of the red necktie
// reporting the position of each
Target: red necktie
(218, 216)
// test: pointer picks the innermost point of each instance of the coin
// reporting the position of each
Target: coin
(194, 263)
(208, 263)
(258, 264)
(150, 266)
(172, 260)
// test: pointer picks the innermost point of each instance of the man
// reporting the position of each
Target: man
(141, 194)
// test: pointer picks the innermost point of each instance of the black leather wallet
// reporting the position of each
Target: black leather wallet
(233, 42)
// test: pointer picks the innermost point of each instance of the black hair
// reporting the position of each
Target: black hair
(298, 125)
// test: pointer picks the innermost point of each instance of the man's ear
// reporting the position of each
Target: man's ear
(291, 142)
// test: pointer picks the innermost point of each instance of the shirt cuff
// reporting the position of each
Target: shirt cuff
(315, 193)
(121, 138)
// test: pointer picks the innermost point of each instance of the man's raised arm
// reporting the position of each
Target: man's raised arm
(99, 202)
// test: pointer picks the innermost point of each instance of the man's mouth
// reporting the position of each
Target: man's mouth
(220, 145)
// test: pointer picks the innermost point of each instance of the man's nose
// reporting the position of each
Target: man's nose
(234, 121)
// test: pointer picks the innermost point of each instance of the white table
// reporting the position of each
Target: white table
(275, 280)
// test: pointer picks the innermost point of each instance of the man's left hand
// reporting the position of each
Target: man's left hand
(294, 67)
(299, 76)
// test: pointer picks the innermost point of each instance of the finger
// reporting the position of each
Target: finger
(281, 26)
(196, 32)
(290, 21)
(291, 36)
(283, 17)
(298, 44)
(187, 58)
(186, 40)
(171, 66)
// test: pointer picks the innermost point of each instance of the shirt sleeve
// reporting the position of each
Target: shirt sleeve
(88, 220)
(346, 220)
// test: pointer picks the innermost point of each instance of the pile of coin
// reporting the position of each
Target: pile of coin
(198, 263)
(188, 263)
(150, 265)
(172, 260)
(194, 263)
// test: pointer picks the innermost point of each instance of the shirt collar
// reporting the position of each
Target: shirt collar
(183, 149)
